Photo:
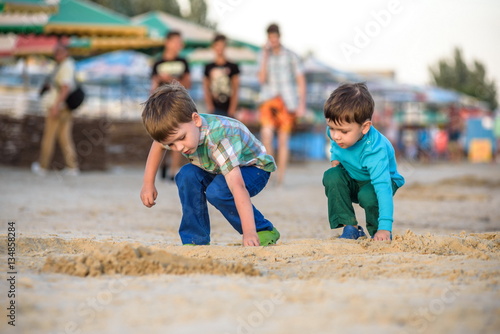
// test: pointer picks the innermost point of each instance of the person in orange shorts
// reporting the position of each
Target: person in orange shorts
(283, 96)
(274, 114)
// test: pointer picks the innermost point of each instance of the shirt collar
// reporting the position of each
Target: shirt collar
(203, 130)
(280, 52)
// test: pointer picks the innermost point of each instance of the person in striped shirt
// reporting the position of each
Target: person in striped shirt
(228, 166)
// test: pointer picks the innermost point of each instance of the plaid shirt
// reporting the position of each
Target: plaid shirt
(226, 143)
(282, 71)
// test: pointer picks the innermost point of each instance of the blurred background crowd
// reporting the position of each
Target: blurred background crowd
(116, 43)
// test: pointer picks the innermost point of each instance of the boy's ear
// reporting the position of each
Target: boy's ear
(196, 119)
(366, 127)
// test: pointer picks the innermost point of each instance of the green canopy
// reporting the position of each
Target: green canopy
(194, 35)
(66, 17)
(160, 23)
(94, 28)
(80, 17)
(83, 12)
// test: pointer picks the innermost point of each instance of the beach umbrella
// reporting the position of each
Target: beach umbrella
(115, 64)
(440, 95)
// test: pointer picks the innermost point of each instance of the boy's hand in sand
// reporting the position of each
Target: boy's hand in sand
(148, 195)
(335, 163)
(382, 235)
(251, 239)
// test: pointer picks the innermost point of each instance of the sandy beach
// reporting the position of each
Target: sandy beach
(90, 258)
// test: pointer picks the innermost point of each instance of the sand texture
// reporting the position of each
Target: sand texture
(91, 259)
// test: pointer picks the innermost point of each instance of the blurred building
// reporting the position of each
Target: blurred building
(114, 56)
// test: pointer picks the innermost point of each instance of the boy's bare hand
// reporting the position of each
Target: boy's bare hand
(382, 235)
(251, 239)
(335, 163)
(148, 195)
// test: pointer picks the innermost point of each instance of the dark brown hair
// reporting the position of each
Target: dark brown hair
(219, 37)
(273, 28)
(168, 106)
(350, 102)
(173, 33)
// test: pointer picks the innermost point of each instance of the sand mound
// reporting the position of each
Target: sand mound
(127, 260)
(446, 245)
(474, 245)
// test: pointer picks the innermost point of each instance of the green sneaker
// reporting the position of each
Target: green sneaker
(268, 237)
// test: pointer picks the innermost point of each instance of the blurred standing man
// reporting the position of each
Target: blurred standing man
(283, 92)
(59, 120)
(221, 82)
(171, 67)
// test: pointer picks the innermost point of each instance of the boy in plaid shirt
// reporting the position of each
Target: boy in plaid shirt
(228, 165)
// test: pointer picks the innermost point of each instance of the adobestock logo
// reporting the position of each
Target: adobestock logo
(372, 29)
(224, 6)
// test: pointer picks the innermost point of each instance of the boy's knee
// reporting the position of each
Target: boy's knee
(367, 199)
(186, 173)
(333, 177)
(216, 192)
(212, 195)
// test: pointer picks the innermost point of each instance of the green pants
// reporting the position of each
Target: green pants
(342, 191)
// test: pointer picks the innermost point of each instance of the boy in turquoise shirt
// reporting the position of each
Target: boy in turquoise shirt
(364, 168)
(228, 166)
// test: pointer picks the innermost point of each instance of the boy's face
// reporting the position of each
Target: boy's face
(219, 47)
(60, 53)
(347, 134)
(174, 43)
(273, 40)
(187, 137)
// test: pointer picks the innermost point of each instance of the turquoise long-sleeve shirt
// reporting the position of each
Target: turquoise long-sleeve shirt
(372, 158)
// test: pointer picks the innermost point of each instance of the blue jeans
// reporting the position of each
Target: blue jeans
(197, 186)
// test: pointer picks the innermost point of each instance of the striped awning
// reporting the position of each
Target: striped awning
(29, 6)
(67, 17)
(7, 44)
(33, 45)
(94, 30)
(117, 43)
(23, 23)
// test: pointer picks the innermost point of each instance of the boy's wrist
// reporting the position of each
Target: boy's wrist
(250, 233)
(146, 183)
(385, 225)
(248, 229)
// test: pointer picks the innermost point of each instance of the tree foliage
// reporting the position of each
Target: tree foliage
(197, 14)
(471, 80)
(136, 7)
